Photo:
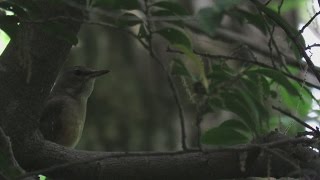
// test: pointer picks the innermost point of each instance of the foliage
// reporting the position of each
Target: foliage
(246, 91)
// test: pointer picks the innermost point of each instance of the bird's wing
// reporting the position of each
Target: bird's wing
(50, 121)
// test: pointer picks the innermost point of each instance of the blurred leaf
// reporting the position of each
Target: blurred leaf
(167, 13)
(209, 20)
(175, 37)
(10, 6)
(301, 104)
(131, 18)
(224, 5)
(41, 177)
(194, 66)
(257, 85)
(254, 19)
(257, 92)
(279, 78)
(215, 103)
(223, 136)
(143, 31)
(178, 68)
(171, 6)
(116, 4)
(235, 104)
(218, 75)
(286, 5)
(283, 23)
(236, 125)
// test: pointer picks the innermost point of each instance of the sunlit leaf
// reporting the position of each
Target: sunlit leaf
(286, 5)
(301, 104)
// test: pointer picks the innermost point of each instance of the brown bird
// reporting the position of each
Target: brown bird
(64, 113)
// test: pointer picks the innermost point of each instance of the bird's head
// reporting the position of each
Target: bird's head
(77, 81)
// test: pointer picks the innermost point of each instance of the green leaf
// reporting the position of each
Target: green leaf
(286, 26)
(143, 31)
(279, 78)
(257, 91)
(175, 37)
(254, 19)
(301, 104)
(224, 5)
(167, 13)
(131, 18)
(178, 68)
(41, 177)
(234, 103)
(116, 4)
(17, 10)
(195, 66)
(215, 103)
(223, 136)
(235, 124)
(171, 6)
(209, 20)
(286, 5)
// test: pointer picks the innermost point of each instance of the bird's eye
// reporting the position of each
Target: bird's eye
(77, 72)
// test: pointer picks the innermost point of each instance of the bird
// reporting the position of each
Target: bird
(64, 112)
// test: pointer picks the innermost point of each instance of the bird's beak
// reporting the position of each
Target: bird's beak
(94, 74)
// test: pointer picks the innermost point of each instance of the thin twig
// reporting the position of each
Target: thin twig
(212, 56)
(308, 23)
(170, 80)
(296, 119)
(292, 37)
(312, 46)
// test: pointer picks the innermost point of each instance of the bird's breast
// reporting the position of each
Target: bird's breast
(73, 119)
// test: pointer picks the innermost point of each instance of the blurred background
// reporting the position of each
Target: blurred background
(132, 108)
